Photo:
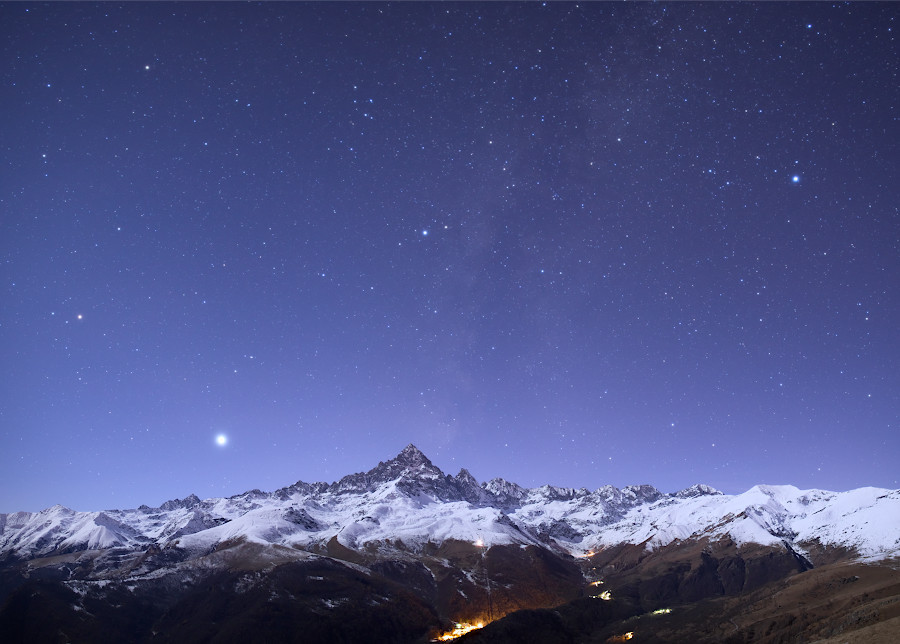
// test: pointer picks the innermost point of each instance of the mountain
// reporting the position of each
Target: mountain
(420, 549)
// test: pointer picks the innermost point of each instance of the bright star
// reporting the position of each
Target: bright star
(221, 440)
(795, 178)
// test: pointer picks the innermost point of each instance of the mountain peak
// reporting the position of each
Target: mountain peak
(466, 476)
(412, 454)
(187, 502)
(410, 463)
(697, 490)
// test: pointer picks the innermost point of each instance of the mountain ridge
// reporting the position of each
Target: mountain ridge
(407, 497)
(411, 460)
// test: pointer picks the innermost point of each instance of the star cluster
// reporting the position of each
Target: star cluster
(560, 243)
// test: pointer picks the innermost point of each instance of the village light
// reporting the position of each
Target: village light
(461, 629)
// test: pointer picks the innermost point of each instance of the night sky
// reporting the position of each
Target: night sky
(568, 244)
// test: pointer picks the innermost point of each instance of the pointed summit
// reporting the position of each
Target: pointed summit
(465, 477)
(469, 489)
(409, 464)
(412, 454)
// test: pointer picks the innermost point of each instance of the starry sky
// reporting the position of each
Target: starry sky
(578, 244)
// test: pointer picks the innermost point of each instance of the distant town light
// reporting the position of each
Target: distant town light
(460, 630)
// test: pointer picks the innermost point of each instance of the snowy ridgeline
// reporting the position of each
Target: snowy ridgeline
(409, 502)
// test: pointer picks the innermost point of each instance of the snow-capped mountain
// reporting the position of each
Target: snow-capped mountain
(408, 502)
(403, 552)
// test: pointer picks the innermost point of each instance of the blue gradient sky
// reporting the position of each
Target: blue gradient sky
(568, 244)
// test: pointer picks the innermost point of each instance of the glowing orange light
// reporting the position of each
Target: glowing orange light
(621, 638)
(460, 630)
